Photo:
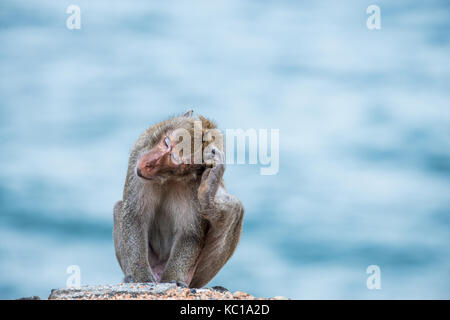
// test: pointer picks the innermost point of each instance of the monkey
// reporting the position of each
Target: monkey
(176, 221)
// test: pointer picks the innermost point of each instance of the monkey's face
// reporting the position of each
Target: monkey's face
(168, 158)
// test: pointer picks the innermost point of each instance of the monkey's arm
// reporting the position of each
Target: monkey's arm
(224, 213)
(131, 245)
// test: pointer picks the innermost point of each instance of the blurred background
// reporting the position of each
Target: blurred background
(364, 119)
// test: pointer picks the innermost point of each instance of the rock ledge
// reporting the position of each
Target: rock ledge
(148, 291)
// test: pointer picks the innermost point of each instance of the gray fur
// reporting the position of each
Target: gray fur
(175, 228)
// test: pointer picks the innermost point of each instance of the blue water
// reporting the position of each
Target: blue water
(364, 119)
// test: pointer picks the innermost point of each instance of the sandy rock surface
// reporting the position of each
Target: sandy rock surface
(148, 291)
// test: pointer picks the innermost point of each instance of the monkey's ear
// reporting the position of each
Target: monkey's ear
(188, 113)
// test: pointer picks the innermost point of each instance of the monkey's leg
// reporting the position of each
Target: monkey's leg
(131, 245)
(182, 260)
(225, 214)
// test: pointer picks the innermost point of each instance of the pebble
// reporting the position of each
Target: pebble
(280, 298)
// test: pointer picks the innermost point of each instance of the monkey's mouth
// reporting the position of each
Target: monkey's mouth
(140, 175)
(178, 171)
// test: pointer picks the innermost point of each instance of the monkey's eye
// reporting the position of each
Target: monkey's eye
(167, 141)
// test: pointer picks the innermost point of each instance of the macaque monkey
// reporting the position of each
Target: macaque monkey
(176, 222)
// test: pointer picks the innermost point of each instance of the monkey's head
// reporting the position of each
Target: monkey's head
(174, 148)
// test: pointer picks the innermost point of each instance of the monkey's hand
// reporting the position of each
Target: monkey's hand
(211, 178)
